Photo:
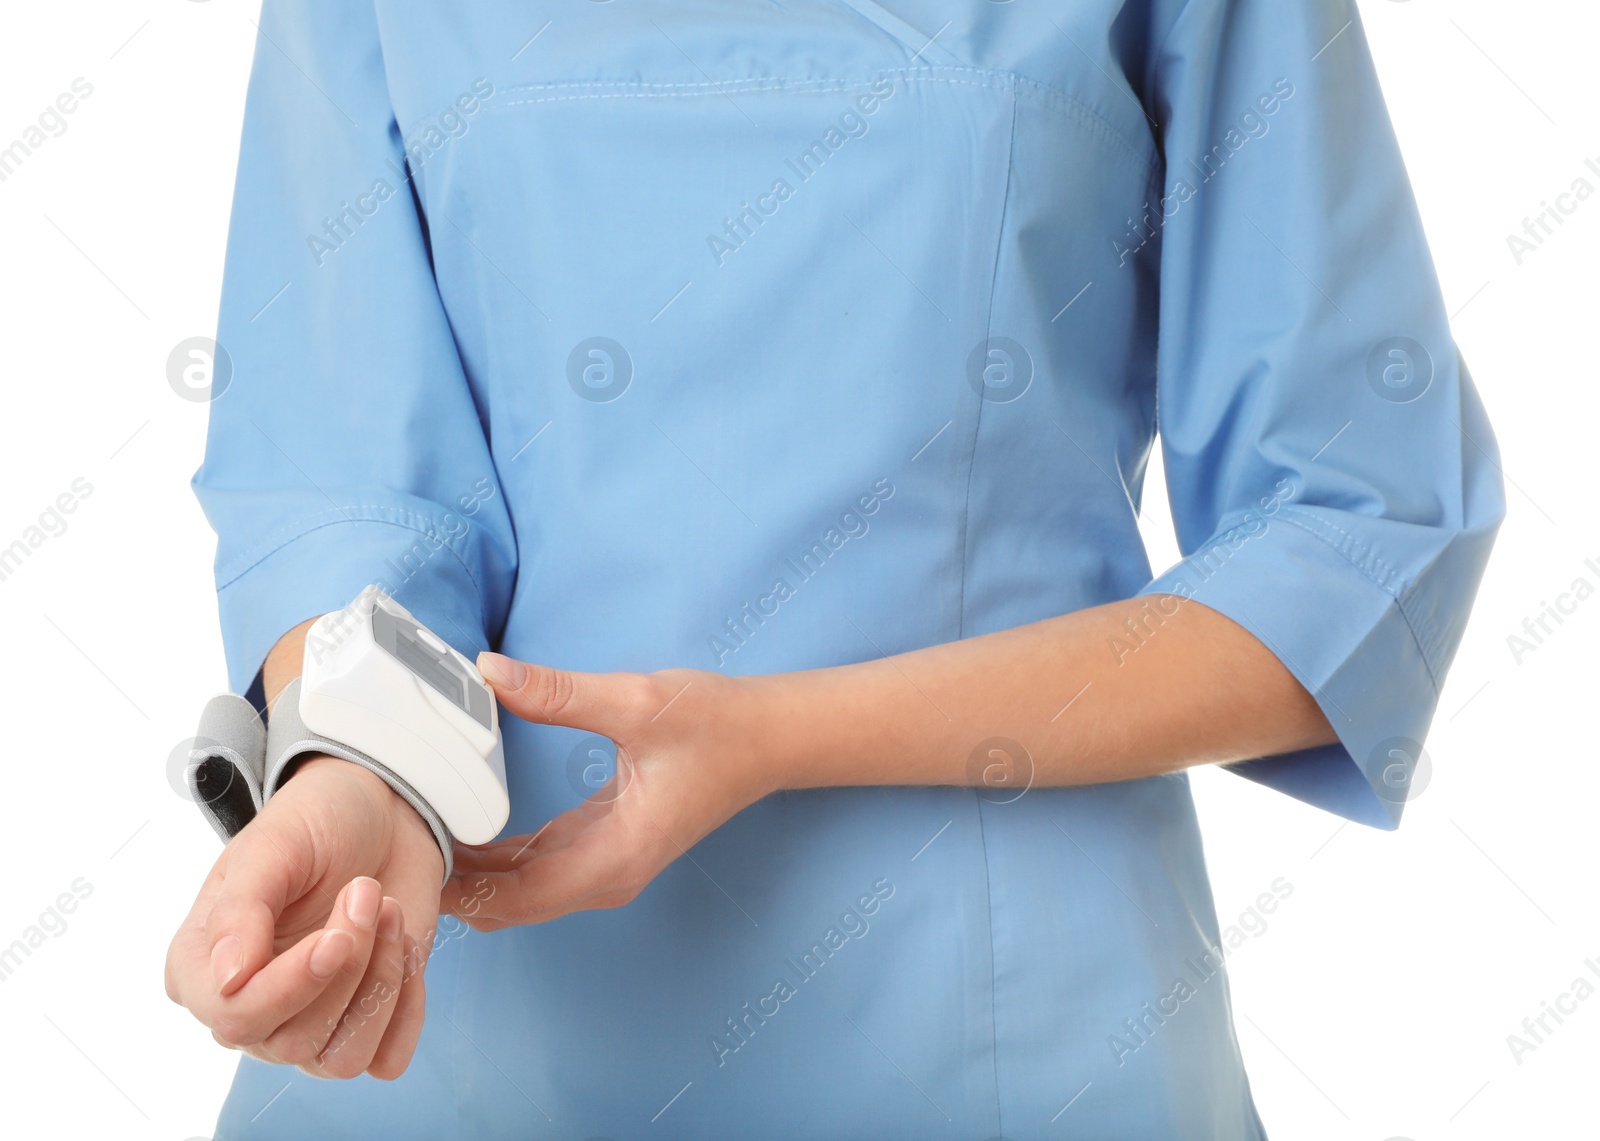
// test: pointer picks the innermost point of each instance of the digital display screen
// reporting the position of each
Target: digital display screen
(438, 668)
(438, 673)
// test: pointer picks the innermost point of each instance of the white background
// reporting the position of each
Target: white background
(1377, 1001)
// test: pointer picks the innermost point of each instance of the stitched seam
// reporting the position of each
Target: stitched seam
(292, 530)
(1388, 571)
(1428, 645)
(966, 528)
(329, 522)
(1399, 594)
(287, 534)
(1009, 81)
(988, 907)
(977, 421)
(766, 82)
(1144, 159)
(714, 85)
(1422, 648)
(709, 90)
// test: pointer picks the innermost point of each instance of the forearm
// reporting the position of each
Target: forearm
(1088, 697)
(284, 661)
(1067, 704)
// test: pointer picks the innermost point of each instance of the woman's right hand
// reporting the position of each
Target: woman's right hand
(307, 942)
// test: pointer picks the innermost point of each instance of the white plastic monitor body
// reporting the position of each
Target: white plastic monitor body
(376, 679)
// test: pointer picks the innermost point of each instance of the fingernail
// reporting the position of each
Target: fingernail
(330, 953)
(500, 671)
(227, 957)
(362, 904)
(391, 921)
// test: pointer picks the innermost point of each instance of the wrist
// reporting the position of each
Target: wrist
(323, 763)
(724, 725)
(781, 730)
(758, 737)
(342, 779)
(352, 725)
(852, 725)
(283, 662)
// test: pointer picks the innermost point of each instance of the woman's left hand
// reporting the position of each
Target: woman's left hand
(686, 762)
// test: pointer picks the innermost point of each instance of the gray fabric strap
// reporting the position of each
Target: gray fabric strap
(288, 739)
(225, 773)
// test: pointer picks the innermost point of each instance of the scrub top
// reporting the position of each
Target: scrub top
(761, 335)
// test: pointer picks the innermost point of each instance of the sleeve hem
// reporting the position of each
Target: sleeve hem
(325, 565)
(1361, 659)
(1377, 570)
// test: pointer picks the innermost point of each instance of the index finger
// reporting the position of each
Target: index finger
(271, 996)
(263, 871)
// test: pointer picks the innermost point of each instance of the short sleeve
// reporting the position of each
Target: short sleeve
(348, 446)
(1334, 480)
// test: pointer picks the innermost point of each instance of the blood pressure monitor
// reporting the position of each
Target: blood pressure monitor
(377, 680)
(379, 689)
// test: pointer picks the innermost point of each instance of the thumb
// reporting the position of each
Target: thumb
(263, 875)
(592, 702)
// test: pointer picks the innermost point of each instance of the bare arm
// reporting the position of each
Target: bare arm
(1124, 690)
(283, 661)
(1181, 686)
(307, 942)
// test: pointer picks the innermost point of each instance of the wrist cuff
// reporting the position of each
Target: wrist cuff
(226, 764)
(288, 739)
(237, 764)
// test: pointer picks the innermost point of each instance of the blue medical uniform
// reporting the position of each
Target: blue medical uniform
(759, 336)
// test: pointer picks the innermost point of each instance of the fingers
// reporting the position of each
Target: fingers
(373, 985)
(343, 990)
(516, 880)
(594, 702)
(278, 992)
(188, 965)
(510, 852)
(412, 878)
(299, 1040)
(542, 885)
(356, 1038)
(264, 870)
(469, 886)
(503, 855)
(296, 981)
(405, 1023)
(380, 1027)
